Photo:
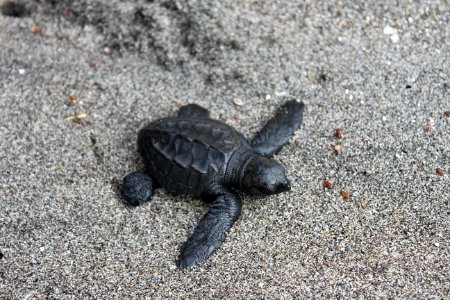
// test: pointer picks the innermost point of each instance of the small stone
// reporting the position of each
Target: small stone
(439, 172)
(106, 50)
(35, 29)
(447, 114)
(73, 99)
(395, 38)
(77, 117)
(237, 118)
(388, 30)
(345, 195)
(94, 64)
(327, 184)
(337, 149)
(268, 97)
(237, 101)
(21, 71)
(339, 133)
(363, 203)
(281, 94)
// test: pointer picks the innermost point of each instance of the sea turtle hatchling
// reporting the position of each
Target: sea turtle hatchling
(192, 154)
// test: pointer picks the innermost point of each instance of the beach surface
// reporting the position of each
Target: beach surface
(78, 79)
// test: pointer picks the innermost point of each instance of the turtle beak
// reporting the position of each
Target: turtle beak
(283, 187)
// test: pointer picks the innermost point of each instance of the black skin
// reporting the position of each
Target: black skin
(261, 176)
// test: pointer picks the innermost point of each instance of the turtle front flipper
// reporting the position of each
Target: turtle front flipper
(278, 130)
(193, 111)
(137, 188)
(210, 232)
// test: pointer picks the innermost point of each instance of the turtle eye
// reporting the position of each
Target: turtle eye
(265, 190)
(283, 187)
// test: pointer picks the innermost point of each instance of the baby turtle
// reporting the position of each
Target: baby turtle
(192, 154)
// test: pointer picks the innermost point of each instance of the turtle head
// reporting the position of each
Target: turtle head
(264, 176)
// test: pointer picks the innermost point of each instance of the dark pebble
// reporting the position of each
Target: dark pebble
(13, 9)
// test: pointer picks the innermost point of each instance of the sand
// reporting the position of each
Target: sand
(79, 78)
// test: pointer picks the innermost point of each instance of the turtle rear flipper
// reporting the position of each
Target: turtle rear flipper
(210, 232)
(193, 111)
(137, 188)
(278, 130)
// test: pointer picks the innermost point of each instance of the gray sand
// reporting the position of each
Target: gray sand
(378, 71)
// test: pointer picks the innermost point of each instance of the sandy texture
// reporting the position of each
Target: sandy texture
(380, 72)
